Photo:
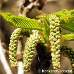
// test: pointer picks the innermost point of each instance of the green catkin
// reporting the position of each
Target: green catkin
(29, 49)
(13, 47)
(55, 41)
(68, 52)
(13, 44)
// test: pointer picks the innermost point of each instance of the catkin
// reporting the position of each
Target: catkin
(68, 52)
(13, 44)
(55, 41)
(29, 49)
(13, 47)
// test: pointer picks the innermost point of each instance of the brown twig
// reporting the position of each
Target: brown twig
(27, 5)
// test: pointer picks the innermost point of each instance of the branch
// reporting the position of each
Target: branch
(20, 68)
(4, 61)
(19, 56)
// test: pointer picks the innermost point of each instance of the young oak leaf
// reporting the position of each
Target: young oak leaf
(66, 19)
(21, 22)
(68, 37)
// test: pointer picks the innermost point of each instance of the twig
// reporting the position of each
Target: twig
(19, 56)
(26, 6)
(4, 61)
(20, 68)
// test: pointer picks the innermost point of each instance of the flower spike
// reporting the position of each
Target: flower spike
(29, 49)
(55, 41)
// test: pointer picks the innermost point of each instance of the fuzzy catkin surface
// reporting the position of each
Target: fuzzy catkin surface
(29, 49)
(55, 41)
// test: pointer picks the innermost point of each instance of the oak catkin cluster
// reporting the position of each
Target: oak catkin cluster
(29, 49)
(55, 40)
(68, 52)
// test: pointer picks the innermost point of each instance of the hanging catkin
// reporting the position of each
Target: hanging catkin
(29, 49)
(55, 41)
(13, 47)
(13, 44)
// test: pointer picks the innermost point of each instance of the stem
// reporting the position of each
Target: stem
(4, 61)
(20, 68)
(19, 49)
(68, 37)
(19, 53)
